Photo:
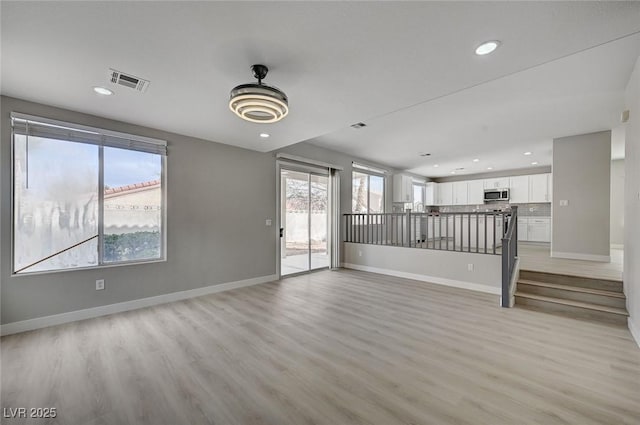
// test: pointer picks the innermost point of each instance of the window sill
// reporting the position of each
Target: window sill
(102, 266)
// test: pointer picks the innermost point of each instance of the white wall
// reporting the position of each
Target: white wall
(441, 267)
(617, 202)
(632, 203)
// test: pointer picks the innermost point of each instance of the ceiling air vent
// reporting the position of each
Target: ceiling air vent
(128, 80)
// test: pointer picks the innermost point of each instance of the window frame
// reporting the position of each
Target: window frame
(423, 189)
(101, 264)
(370, 173)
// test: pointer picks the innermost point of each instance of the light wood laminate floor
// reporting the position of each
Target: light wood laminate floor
(333, 348)
(537, 257)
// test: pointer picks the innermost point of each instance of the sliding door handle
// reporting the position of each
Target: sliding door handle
(281, 231)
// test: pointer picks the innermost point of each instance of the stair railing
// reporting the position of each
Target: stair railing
(475, 231)
(509, 259)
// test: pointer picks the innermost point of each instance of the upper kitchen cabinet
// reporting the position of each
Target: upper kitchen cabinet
(496, 183)
(539, 188)
(445, 194)
(475, 191)
(519, 189)
(460, 193)
(402, 188)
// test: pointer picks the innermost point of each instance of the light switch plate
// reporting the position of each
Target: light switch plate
(564, 202)
(268, 222)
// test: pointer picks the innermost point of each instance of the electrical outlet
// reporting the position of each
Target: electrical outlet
(564, 202)
(470, 267)
(359, 253)
(99, 284)
(267, 222)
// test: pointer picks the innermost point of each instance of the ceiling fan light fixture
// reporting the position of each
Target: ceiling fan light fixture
(259, 103)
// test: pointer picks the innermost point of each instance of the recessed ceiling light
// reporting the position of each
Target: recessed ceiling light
(487, 47)
(102, 91)
(534, 163)
(489, 168)
(264, 135)
(436, 166)
(453, 172)
(527, 153)
(476, 160)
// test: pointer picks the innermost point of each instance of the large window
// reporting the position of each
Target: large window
(84, 197)
(367, 192)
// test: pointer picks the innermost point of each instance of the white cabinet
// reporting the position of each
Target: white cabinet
(539, 230)
(496, 183)
(430, 192)
(519, 189)
(523, 229)
(460, 193)
(402, 188)
(475, 191)
(539, 185)
(534, 229)
(445, 194)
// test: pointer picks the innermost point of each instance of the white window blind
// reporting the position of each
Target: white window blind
(51, 129)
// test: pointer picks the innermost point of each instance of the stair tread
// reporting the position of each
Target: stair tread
(608, 279)
(573, 288)
(597, 307)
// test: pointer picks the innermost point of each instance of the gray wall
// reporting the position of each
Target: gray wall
(617, 202)
(581, 175)
(632, 203)
(217, 202)
(445, 267)
(307, 150)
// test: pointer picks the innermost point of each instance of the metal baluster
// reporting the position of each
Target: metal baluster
(446, 231)
(454, 231)
(486, 220)
(461, 232)
(353, 228)
(494, 233)
(477, 232)
(469, 230)
(375, 229)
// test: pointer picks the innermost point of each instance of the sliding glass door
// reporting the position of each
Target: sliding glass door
(304, 219)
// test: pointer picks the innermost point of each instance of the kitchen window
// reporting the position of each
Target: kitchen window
(367, 190)
(418, 197)
(85, 197)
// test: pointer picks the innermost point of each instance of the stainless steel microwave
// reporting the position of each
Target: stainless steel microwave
(492, 195)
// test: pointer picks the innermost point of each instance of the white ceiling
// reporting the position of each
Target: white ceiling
(406, 69)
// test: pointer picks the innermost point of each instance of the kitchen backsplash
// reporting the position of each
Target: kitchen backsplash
(534, 210)
(524, 210)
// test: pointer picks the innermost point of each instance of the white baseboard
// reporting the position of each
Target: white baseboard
(578, 256)
(72, 316)
(424, 278)
(635, 331)
(617, 246)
